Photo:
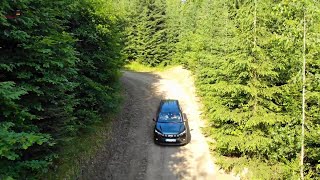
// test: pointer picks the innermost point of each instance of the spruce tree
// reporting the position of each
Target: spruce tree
(37, 59)
(148, 35)
(312, 104)
(59, 68)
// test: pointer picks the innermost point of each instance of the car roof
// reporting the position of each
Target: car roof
(169, 105)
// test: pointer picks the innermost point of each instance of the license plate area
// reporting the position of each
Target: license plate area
(170, 140)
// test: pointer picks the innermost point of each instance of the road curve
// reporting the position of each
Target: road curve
(131, 152)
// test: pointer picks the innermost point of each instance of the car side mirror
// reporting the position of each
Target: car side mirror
(184, 117)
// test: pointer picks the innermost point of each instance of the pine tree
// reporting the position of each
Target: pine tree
(312, 124)
(37, 58)
(147, 35)
(243, 71)
(247, 57)
(187, 20)
(59, 69)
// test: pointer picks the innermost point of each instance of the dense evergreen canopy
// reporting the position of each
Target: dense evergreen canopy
(60, 61)
(247, 58)
(59, 66)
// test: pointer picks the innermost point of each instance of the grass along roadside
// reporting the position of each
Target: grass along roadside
(244, 167)
(78, 151)
(138, 67)
(250, 168)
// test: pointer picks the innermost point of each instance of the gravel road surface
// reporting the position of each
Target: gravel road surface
(131, 152)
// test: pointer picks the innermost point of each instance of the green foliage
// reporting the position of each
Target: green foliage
(247, 57)
(60, 61)
(313, 90)
(138, 67)
(147, 33)
(78, 152)
(98, 45)
(59, 67)
(249, 103)
(257, 169)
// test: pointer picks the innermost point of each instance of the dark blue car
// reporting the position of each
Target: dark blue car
(170, 127)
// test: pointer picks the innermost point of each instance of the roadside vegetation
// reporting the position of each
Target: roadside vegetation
(79, 152)
(59, 67)
(247, 57)
(138, 67)
(60, 63)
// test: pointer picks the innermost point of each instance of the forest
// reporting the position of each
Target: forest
(59, 69)
(247, 57)
(256, 65)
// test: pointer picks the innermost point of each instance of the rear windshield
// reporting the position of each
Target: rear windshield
(169, 117)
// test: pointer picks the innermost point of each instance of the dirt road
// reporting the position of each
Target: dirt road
(131, 153)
